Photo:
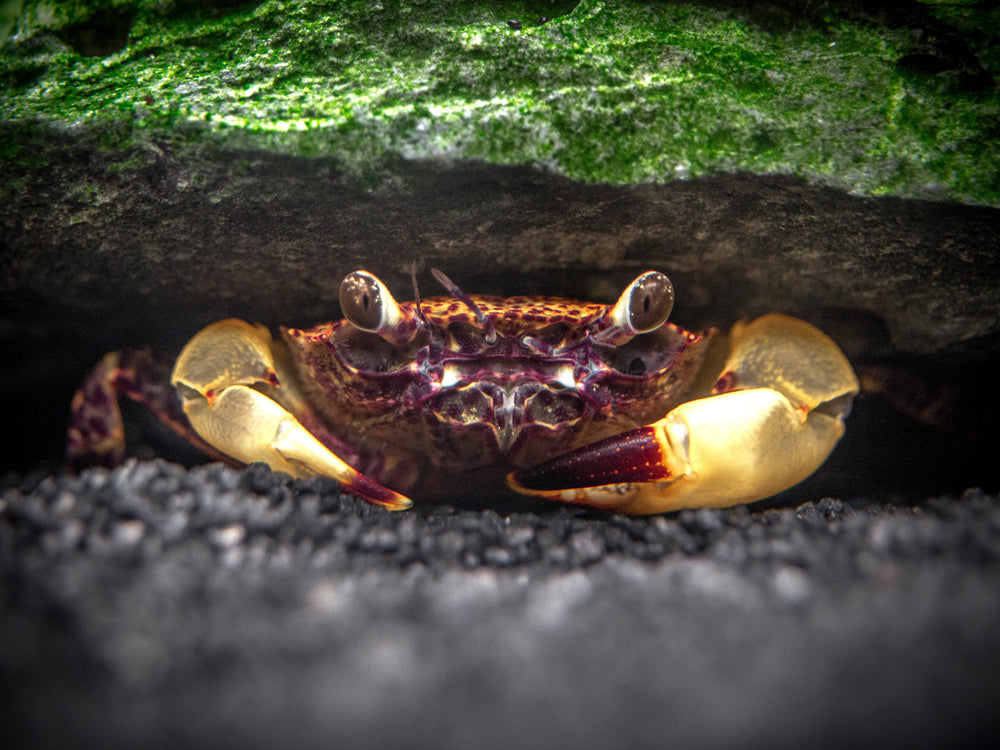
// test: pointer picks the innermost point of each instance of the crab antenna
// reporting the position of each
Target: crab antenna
(416, 296)
(489, 330)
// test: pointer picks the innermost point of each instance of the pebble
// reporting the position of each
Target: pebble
(110, 513)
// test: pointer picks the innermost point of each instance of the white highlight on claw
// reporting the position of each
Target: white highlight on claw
(678, 436)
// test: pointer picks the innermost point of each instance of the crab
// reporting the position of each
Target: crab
(607, 405)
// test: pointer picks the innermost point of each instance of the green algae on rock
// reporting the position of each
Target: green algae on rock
(619, 93)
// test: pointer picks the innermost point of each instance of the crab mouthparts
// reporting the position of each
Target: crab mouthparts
(515, 402)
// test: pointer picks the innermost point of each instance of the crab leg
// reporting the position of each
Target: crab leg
(777, 411)
(224, 375)
(96, 434)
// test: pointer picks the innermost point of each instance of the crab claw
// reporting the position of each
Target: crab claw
(218, 375)
(778, 411)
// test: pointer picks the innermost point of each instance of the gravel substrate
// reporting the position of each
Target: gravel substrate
(158, 606)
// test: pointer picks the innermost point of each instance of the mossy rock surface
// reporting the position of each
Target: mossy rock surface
(895, 100)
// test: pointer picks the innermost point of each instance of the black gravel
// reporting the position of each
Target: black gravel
(158, 606)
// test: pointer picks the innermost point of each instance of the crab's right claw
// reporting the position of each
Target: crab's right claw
(776, 413)
(218, 374)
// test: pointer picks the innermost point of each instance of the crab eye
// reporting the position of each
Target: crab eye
(643, 307)
(361, 300)
(650, 300)
(368, 305)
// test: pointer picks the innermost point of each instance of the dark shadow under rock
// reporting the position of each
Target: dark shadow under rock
(158, 237)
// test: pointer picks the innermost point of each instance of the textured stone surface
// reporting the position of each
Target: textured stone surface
(274, 242)
(239, 158)
(883, 98)
(152, 606)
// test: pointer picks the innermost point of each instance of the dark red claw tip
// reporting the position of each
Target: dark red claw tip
(373, 492)
(633, 456)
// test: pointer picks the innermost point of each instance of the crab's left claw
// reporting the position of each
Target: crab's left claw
(221, 375)
(777, 411)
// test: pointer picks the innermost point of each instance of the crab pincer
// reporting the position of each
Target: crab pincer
(775, 413)
(228, 378)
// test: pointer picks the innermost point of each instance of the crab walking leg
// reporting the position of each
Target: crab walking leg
(779, 410)
(96, 434)
(214, 374)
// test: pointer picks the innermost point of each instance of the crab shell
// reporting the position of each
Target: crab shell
(607, 405)
(457, 404)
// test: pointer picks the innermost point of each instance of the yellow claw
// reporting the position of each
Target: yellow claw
(793, 391)
(795, 359)
(726, 450)
(214, 374)
(230, 352)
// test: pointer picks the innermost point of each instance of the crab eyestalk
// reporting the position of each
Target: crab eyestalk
(369, 305)
(644, 306)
